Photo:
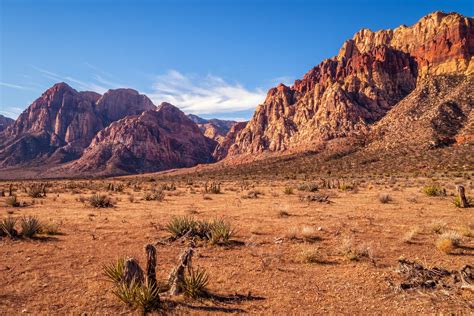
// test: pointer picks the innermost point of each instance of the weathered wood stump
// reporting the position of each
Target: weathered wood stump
(151, 265)
(132, 273)
(462, 196)
(176, 277)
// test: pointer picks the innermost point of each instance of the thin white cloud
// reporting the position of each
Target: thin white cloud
(202, 95)
(14, 86)
(286, 80)
(12, 112)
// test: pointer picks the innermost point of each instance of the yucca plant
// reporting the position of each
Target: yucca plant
(195, 282)
(36, 191)
(178, 226)
(114, 271)
(30, 226)
(220, 232)
(7, 227)
(138, 295)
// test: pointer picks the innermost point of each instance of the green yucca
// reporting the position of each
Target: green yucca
(220, 232)
(114, 270)
(195, 282)
(178, 226)
(138, 295)
(7, 227)
(30, 226)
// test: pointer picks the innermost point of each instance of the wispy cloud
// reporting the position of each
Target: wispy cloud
(15, 86)
(201, 95)
(12, 112)
(286, 80)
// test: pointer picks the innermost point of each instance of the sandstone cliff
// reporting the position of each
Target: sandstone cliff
(5, 122)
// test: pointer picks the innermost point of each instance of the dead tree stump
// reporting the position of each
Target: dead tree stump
(462, 196)
(151, 265)
(176, 277)
(132, 272)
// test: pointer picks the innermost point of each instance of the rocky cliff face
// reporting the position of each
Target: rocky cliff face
(214, 129)
(151, 141)
(345, 95)
(5, 122)
(61, 123)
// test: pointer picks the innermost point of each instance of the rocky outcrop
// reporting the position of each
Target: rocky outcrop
(345, 95)
(228, 141)
(57, 126)
(214, 129)
(151, 141)
(5, 122)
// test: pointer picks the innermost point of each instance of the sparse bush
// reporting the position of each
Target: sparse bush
(213, 187)
(195, 283)
(252, 194)
(155, 195)
(12, 201)
(308, 187)
(352, 252)
(168, 187)
(100, 201)
(385, 198)
(50, 229)
(448, 241)
(408, 237)
(7, 227)
(30, 226)
(433, 190)
(467, 231)
(445, 245)
(346, 187)
(37, 191)
(312, 255)
(438, 227)
(217, 231)
(288, 190)
(308, 233)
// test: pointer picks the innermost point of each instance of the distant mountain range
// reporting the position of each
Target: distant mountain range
(402, 91)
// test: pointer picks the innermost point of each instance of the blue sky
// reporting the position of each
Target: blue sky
(212, 58)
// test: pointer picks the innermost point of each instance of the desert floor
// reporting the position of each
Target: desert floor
(264, 270)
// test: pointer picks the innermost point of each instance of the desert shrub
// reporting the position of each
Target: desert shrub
(308, 187)
(384, 198)
(352, 252)
(220, 232)
(168, 187)
(288, 190)
(346, 187)
(155, 195)
(433, 190)
(30, 226)
(138, 295)
(454, 236)
(37, 191)
(178, 226)
(100, 201)
(50, 229)
(7, 227)
(467, 231)
(213, 187)
(308, 233)
(252, 194)
(410, 235)
(114, 271)
(195, 283)
(311, 255)
(12, 201)
(445, 245)
(438, 227)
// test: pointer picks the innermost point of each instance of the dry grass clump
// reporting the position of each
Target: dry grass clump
(308, 187)
(30, 226)
(216, 231)
(467, 231)
(51, 229)
(100, 201)
(213, 187)
(12, 201)
(384, 198)
(353, 252)
(411, 234)
(433, 190)
(448, 241)
(37, 191)
(438, 227)
(155, 195)
(288, 190)
(304, 233)
(310, 255)
(252, 194)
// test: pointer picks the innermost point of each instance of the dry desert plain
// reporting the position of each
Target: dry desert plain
(288, 255)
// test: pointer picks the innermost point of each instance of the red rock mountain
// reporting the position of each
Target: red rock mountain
(215, 129)
(152, 141)
(57, 126)
(5, 122)
(345, 96)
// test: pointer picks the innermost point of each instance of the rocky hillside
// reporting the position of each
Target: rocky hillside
(215, 129)
(152, 141)
(345, 96)
(4, 122)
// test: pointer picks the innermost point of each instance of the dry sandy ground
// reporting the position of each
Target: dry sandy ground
(63, 274)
